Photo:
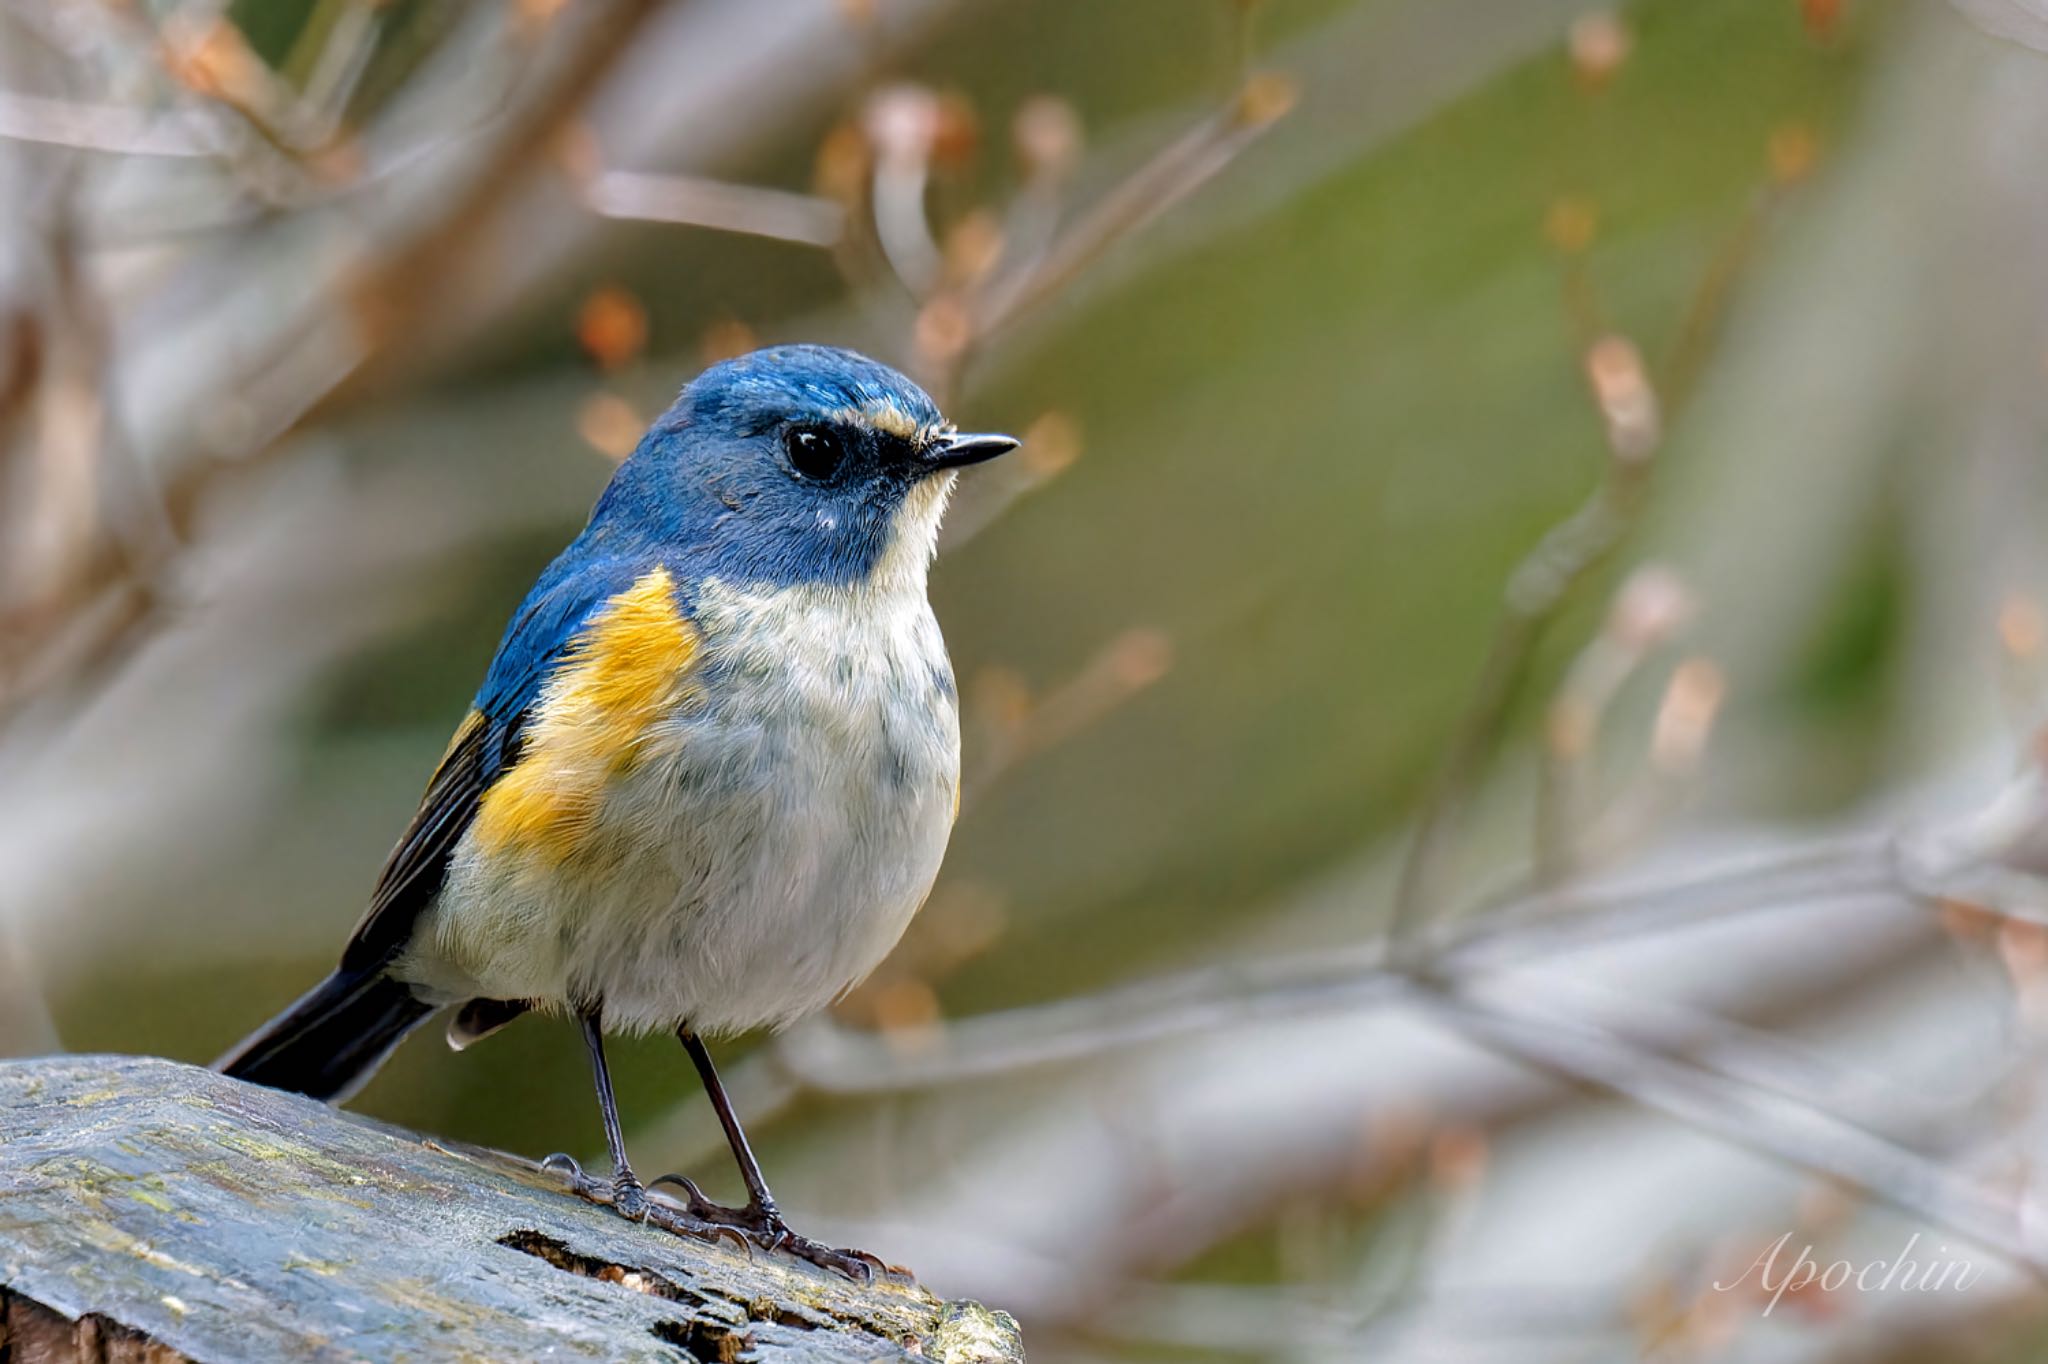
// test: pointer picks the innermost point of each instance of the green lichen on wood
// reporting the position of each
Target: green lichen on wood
(226, 1223)
(969, 1333)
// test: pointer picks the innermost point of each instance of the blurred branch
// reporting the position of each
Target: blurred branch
(330, 60)
(397, 288)
(971, 284)
(1292, 1322)
(1792, 155)
(1169, 177)
(1537, 591)
(117, 128)
(302, 377)
(694, 201)
(207, 70)
(1652, 608)
(835, 1060)
(904, 125)
(1635, 411)
(1926, 867)
(1017, 725)
(1736, 1108)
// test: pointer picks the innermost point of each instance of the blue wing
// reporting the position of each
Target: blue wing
(552, 615)
(485, 746)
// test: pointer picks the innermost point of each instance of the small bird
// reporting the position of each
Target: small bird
(709, 776)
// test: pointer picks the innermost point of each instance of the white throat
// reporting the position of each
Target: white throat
(906, 560)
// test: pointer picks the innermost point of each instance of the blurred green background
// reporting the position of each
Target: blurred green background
(1315, 445)
(1323, 407)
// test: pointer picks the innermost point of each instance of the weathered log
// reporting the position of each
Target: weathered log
(152, 1213)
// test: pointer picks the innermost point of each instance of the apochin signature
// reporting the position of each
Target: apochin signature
(1778, 1274)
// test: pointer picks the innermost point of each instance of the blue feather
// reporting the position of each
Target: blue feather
(706, 494)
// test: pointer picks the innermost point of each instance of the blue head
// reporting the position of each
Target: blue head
(796, 464)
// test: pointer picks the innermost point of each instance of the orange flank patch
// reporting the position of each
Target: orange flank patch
(624, 675)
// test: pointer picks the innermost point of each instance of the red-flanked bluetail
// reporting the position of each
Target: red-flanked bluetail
(710, 774)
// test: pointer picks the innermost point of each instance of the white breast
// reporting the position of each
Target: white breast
(770, 859)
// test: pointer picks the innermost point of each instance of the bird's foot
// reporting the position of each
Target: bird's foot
(623, 1193)
(627, 1196)
(762, 1225)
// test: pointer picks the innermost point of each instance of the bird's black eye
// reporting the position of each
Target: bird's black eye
(815, 452)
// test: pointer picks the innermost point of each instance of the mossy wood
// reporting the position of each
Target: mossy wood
(152, 1212)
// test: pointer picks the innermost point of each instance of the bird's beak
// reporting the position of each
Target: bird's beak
(957, 452)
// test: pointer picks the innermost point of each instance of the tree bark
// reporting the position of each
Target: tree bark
(152, 1212)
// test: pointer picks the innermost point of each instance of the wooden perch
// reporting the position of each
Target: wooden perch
(152, 1213)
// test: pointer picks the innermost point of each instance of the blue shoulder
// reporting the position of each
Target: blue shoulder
(586, 576)
(572, 589)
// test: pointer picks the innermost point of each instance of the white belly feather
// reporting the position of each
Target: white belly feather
(770, 856)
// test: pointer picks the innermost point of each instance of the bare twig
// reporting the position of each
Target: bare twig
(1877, 867)
(1636, 412)
(116, 128)
(1792, 154)
(1748, 1114)
(1169, 177)
(1130, 663)
(903, 127)
(835, 1060)
(398, 288)
(1651, 607)
(301, 378)
(1538, 589)
(698, 202)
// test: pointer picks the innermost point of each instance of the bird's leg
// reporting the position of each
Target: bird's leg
(625, 1192)
(760, 1219)
(760, 1209)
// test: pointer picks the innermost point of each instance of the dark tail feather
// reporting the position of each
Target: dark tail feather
(330, 1042)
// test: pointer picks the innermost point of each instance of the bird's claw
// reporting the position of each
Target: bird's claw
(695, 1216)
(623, 1193)
(681, 1223)
(756, 1225)
(581, 1182)
(859, 1265)
(628, 1197)
(693, 1197)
